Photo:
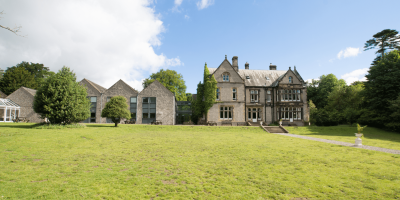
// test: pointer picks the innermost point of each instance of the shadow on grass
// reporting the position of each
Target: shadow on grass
(348, 131)
(18, 125)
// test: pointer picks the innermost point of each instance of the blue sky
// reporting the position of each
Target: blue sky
(307, 34)
(105, 41)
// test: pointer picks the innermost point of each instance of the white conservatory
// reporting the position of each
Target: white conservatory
(9, 111)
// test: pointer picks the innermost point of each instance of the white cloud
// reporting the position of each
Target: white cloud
(356, 75)
(187, 17)
(310, 80)
(348, 52)
(204, 4)
(178, 2)
(103, 41)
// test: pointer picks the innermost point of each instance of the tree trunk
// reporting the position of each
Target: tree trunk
(116, 124)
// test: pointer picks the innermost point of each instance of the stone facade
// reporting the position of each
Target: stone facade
(260, 95)
(24, 98)
(165, 101)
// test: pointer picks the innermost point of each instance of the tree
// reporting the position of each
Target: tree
(13, 30)
(1, 73)
(313, 111)
(16, 77)
(386, 39)
(116, 109)
(395, 122)
(61, 99)
(189, 97)
(171, 80)
(39, 71)
(318, 91)
(382, 87)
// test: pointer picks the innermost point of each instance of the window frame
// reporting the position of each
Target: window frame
(234, 94)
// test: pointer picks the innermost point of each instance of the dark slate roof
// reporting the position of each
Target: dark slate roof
(96, 86)
(258, 77)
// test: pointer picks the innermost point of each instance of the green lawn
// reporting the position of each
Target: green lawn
(185, 162)
(372, 136)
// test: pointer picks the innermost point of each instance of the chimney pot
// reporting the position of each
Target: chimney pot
(272, 67)
(246, 66)
(235, 63)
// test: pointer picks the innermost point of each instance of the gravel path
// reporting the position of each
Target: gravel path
(342, 143)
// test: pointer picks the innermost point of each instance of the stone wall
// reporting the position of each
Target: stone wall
(165, 103)
(25, 100)
(93, 92)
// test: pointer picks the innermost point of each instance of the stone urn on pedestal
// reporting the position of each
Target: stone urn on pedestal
(359, 135)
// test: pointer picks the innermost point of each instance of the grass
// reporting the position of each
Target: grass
(186, 162)
(372, 136)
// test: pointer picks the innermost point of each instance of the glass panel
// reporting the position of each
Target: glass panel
(234, 95)
(153, 115)
(217, 89)
(92, 114)
(222, 108)
(249, 109)
(152, 110)
(133, 115)
(133, 110)
(221, 114)
(152, 105)
(252, 92)
(230, 115)
(290, 97)
(145, 115)
(254, 109)
(226, 108)
(249, 114)
(268, 92)
(227, 77)
(145, 100)
(145, 110)
(152, 100)
(133, 105)
(108, 99)
(254, 115)
(226, 114)
(133, 99)
(93, 99)
(92, 120)
(295, 115)
(234, 90)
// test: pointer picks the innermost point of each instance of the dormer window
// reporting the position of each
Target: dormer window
(290, 79)
(225, 76)
(247, 77)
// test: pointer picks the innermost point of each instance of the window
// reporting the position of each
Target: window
(254, 95)
(247, 77)
(218, 93)
(249, 110)
(226, 113)
(298, 95)
(268, 95)
(267, 78)
(290, 79)
(108, 99)
(259, 113)
(93, 108)
(234, 93)
(133, 107)
(149, 110)
(225, 76)
(288, 95)
(289, 113)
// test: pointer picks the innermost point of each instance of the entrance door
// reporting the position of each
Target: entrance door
(254, 115)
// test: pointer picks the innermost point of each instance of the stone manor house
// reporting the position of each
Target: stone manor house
(255, 96)
(243, 95)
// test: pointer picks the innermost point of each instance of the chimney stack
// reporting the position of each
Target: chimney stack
(246, 66)
(272, 67)
(235, 63)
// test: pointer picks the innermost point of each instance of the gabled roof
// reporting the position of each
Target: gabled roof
(2, 95)
(96, 86)
(157, 82)
(120, 80)
(283, 75)
(257, 77)
(215, 69)
(29, 90)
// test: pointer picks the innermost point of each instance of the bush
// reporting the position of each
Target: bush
(325, 118)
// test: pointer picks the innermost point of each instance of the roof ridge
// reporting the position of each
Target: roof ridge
(125, 84)
(29, 90)
(155, 80)
(94, 85)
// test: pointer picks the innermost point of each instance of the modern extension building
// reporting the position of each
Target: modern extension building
(155, 102)
(246, 95)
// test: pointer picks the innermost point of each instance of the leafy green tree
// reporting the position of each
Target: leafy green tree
(394, 124)
(16, 77)
(171, 80)
(313, 111)
(197, 104)
(189, 97)
(1, 73)
(61, 99)
(386, 39)
(382, 87)
(210, 94)
(39, 71)
(318, 91)
(116, 109)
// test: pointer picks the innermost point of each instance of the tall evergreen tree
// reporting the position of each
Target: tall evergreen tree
(16, 77)
(386, 39)
(61, 99)
(382, 87)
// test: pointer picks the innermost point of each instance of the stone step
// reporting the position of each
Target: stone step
(274, 129)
